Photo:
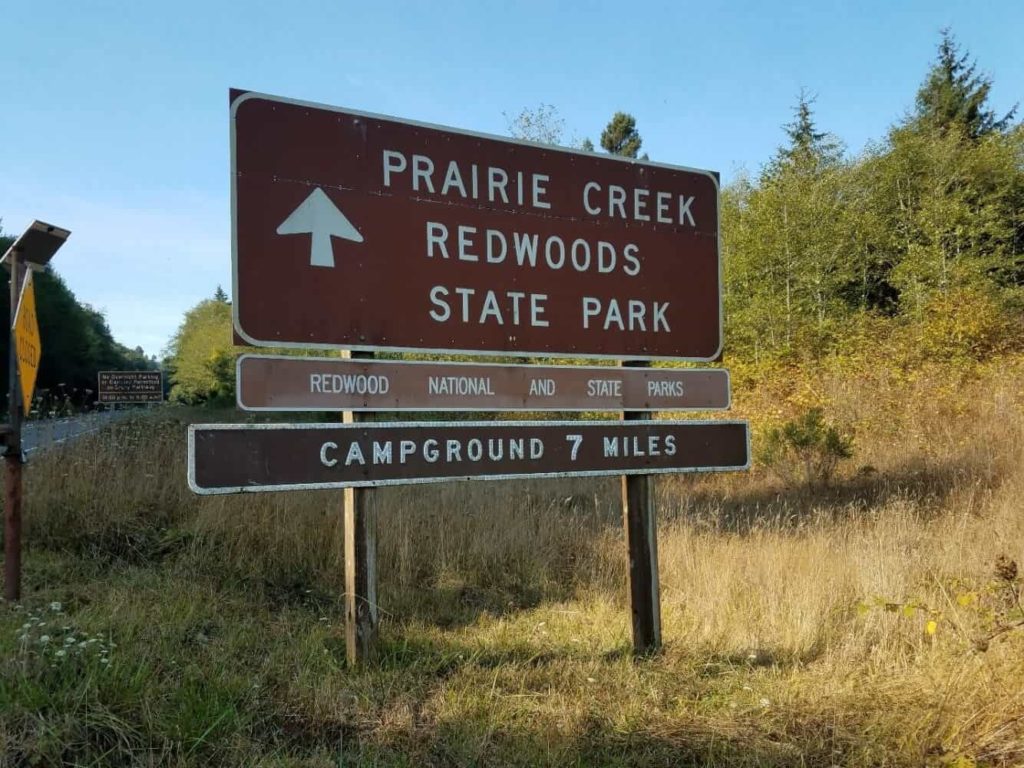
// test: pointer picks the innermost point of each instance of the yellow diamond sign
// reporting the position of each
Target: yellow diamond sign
(26, 340)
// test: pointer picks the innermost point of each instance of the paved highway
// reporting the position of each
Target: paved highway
(40, 435)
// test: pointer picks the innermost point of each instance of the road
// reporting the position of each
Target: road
(40, 435)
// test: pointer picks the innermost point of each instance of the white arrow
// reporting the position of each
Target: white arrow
(318, 216)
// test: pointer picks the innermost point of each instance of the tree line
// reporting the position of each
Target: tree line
(77, 344)
(925, 222)
(922, 233)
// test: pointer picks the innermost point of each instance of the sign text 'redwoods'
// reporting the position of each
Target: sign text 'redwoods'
(394, 235)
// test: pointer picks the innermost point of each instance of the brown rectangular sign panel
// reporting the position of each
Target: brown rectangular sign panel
(352, 230)
(277, 383)
(130, 387)
(233, 458)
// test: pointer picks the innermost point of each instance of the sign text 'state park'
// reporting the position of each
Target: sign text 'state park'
(359, 231)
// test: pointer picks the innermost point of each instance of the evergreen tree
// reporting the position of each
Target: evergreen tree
(807, 145)
(220, 295)
(786, 243)
(621, 137)
(954, 94)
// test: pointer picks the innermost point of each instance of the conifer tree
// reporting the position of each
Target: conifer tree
(621, 137)
(955, 94)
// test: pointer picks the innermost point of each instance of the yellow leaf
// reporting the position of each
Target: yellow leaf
(966, 599)
(931, 626)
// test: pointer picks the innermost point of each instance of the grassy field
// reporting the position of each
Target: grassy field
(870, 622)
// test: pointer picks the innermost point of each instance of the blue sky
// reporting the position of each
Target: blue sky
(116, 113)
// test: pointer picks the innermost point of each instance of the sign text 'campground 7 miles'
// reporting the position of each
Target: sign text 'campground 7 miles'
(230, 458)
(359, 231)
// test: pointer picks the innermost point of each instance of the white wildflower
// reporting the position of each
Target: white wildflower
(44, 639)
(55, 606)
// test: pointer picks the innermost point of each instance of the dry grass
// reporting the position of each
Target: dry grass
(506, 633)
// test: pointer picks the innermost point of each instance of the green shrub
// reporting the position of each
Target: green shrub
(806, 450)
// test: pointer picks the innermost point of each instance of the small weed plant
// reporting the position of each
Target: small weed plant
(47, 637)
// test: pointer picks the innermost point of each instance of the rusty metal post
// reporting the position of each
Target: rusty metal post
(642, 545)
(12, 453)
(361, 614)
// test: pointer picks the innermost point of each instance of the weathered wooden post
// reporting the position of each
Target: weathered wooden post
(361, 615)
(640, 523)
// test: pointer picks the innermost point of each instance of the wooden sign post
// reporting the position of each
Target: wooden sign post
(360, 521)
(638, 518)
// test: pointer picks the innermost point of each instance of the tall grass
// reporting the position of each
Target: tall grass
(796, 621)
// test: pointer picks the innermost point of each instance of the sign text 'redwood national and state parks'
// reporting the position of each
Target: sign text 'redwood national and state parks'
(354, 230)
(230, 458)
(278, 383)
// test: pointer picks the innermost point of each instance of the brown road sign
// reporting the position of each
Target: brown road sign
(232, 458)
(131, 387)
(359, 231)
(278, 383)
(26, 340)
